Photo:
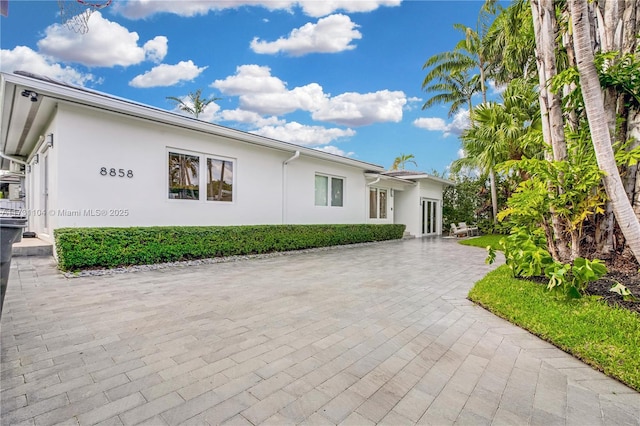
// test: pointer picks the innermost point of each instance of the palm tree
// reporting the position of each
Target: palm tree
(400, 162)
(501, 132)
(510, 44)
(195, 104)
(450, 77)
(455, 89)
(483, 147)
(600, 135)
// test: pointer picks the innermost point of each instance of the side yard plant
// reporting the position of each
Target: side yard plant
(560, 311)
(84, 248)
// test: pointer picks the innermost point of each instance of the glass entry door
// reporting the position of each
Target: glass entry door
(429, 217)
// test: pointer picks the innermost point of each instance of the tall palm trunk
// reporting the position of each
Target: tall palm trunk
(494, 194)
(600, 135)
(545, 28)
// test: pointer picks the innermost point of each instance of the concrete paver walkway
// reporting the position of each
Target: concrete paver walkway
(362, 335)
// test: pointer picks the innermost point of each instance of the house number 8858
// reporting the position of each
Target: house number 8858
(113, 172)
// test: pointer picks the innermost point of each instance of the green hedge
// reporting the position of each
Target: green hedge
(82, 248)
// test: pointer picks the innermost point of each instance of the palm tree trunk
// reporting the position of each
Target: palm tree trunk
(594, 106)
(494, 194)
(545, 27)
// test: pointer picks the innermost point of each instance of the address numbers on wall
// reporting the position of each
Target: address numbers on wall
(104, 171)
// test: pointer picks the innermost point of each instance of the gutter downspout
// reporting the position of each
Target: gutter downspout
(14, 159)
(284, 185)
(374, 182)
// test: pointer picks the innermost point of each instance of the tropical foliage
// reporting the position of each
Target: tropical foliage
(194, 104)
(562, 141)
(400, 162)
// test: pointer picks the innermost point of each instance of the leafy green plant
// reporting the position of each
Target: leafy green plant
(524, 251)
(623, 291)
(572, 280)
(82, 248)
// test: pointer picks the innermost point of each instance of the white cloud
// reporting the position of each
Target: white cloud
(303, 98)
(461, 153)
(431, 123)
(357, 109)
(263, 93)
(413, 103)
(496, 89)
(156, 49)
(107, 44)
(459, 124)
(329, 35)
(334, 150)
(250, 117)
(167, 75)
(137, 9)
(22, 58)
(302, 134)
(317, 8)
(250, 79)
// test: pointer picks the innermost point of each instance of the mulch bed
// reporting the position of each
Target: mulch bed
(601, 288)
(626, 276)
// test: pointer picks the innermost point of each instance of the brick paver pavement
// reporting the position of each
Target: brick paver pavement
(378, 333)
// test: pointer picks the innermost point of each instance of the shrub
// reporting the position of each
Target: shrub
(82, 248)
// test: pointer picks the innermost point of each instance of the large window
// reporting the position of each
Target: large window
(184, 176)
(189, 171)
(377, 203)
(329, 191)
(219, 180)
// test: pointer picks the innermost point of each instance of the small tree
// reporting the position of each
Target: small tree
(195, 104)
(400, 162)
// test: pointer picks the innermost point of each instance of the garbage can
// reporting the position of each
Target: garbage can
(10, 232)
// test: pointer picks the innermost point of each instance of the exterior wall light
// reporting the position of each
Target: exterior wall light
(33, 96)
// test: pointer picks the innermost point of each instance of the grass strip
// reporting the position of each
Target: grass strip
(483, 241)
(602, 336)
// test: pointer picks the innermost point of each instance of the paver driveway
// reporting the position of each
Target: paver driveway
(378, 333)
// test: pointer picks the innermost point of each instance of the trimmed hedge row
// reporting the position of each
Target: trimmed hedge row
(82, 248)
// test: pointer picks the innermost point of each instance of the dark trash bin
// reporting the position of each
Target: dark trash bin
(10, 232)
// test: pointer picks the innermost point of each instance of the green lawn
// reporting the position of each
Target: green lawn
(483, 241)
(606, 338)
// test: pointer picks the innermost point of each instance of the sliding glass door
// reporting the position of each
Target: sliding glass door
(429, 217)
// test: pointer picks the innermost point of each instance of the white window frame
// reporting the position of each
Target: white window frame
(378, 191)
(329, 189)
(168, 174)
(233, 181)
(202, 176)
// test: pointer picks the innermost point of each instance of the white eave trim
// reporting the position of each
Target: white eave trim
(383, 177)
(422, 176)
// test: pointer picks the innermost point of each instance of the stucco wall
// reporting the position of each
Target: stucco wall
(408, 205)
(87, 140)
(41, 214)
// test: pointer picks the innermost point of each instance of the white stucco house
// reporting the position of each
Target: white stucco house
(87, 159)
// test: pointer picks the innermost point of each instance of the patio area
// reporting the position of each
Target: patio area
(371, 334)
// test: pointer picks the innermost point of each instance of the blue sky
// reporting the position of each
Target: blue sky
(342, 76)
